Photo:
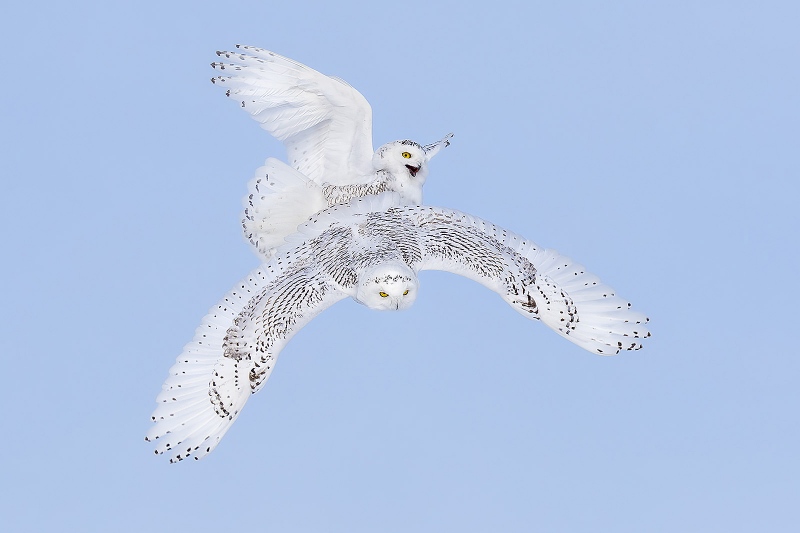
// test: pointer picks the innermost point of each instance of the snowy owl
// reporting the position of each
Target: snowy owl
(370, 250)
(326, 126)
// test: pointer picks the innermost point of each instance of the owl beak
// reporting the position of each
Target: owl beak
(413, 170)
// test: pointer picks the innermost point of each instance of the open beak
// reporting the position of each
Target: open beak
(413, 170)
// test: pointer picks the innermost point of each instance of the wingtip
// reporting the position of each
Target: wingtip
(433, 148)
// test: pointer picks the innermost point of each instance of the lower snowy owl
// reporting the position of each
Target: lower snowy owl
(371, 251)
(326, 126)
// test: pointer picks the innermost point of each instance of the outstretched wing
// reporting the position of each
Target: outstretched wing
(233, 353)
(325, 123)
(538, 283)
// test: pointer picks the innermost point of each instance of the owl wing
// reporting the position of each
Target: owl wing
(538, 283)
(233, 353)
(325, 124)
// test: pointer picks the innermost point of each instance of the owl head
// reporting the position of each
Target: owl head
(388, 287)
(408, 158)
(402, 158)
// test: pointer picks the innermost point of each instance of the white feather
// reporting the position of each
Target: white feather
(279, 199)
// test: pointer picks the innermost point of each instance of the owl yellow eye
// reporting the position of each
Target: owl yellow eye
(383, 294)
(405, 293)
(406, 155)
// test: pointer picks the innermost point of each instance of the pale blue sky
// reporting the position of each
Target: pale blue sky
(657, 143)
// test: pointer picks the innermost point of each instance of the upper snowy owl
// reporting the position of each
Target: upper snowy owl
(371, 251)
(326, 126)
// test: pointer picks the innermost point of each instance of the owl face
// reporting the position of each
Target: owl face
(402, 158)
(388, 287)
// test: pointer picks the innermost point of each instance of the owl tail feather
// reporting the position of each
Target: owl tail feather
(279, 198)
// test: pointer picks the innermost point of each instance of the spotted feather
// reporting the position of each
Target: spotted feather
(370, 250)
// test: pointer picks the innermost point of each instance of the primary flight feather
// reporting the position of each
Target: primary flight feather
(370, 250)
